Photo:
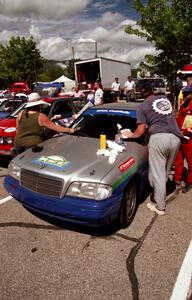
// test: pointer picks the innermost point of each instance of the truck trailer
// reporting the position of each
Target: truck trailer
(103, 70)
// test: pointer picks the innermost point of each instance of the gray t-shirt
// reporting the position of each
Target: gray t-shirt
(157, 113)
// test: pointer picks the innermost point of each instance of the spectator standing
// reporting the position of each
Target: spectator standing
(90, 97)
(180, 96)
(98, 100)
(179, 84)
(116, 90)
(129, 89)
(31, 122)
(78, 93)
(184, 120)
(156, 113)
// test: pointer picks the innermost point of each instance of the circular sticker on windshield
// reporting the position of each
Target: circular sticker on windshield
(10, 129)
(162, 106)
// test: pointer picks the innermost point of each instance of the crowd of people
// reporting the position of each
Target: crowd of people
(96, 93)
(170, 142)
(129, 89)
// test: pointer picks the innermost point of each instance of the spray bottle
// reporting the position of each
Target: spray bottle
(118, 137)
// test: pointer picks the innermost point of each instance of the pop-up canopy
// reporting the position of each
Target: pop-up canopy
(68, 83)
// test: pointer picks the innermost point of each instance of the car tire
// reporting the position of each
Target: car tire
(129, 205)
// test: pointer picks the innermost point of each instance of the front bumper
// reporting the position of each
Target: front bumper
(70, 209)
(6, 150)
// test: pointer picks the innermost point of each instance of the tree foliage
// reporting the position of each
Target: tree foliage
(70, 70)
(20, 61)
(167, 24)
(50, 72)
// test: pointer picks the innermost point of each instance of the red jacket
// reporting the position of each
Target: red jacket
(183, 112)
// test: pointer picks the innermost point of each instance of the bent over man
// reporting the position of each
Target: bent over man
(164, 142)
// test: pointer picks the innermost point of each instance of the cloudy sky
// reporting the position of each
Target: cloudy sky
(60, 26)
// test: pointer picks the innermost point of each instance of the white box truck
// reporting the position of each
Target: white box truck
(104, 70)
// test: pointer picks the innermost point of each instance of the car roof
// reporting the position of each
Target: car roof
(53, 99)
(149, 78)
(119, 105)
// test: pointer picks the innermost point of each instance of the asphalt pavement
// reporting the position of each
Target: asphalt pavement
(42, 260)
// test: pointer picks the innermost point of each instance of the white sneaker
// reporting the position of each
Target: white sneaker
(153, 207)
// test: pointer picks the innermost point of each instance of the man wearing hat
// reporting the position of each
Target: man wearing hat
(31, 122)
(184, 120)
(155, 113)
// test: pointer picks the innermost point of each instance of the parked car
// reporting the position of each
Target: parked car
(10, 104)
(60, 111)
(19, 87)
(157, 83)
(68, 181)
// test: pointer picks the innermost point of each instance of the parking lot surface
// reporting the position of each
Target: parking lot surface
(43, 260)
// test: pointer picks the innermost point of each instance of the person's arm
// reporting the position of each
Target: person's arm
(141, 123)
(44, 121)
(140, 130)
(101, 96)
(125, 88)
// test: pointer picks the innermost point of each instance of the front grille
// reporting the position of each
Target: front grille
(42, 184)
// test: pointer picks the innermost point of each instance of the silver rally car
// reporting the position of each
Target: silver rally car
(70, 180)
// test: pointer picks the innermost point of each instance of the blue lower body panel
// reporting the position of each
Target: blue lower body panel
(70, 209)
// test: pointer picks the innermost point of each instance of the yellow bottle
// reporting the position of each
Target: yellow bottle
(103, 141)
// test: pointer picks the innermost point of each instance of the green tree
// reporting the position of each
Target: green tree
(51, 71)
(167, 24)
(70, 70)
(20, 60)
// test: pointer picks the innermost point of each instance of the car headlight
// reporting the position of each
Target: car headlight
(14, 171)
(89, 190)
(9, 140)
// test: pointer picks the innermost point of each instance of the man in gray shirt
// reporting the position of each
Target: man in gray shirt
(156, 114)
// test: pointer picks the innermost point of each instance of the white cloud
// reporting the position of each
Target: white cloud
(58, 26)
(110, 18)
(34, 31)
(55, 48)
(42, 9)
(127, 22)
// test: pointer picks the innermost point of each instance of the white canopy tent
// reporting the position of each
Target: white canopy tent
(69, 84)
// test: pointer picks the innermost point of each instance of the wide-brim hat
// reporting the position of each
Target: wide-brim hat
(34, 99)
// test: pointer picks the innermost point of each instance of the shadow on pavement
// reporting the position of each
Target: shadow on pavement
(4, 161)
(94, 231)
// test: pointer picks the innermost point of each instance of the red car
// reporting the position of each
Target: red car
(60, 109)
(19, 87)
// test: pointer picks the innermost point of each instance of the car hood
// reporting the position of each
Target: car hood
(81, 161)
(7, 123)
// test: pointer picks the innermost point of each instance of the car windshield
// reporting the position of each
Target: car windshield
(158, 82)
(2, 106)
(15, 113)
(141, 82)
(94, 122)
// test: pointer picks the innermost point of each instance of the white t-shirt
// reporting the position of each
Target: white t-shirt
(90, 97)
(115, 86)
(98, 97)
(129, 85)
